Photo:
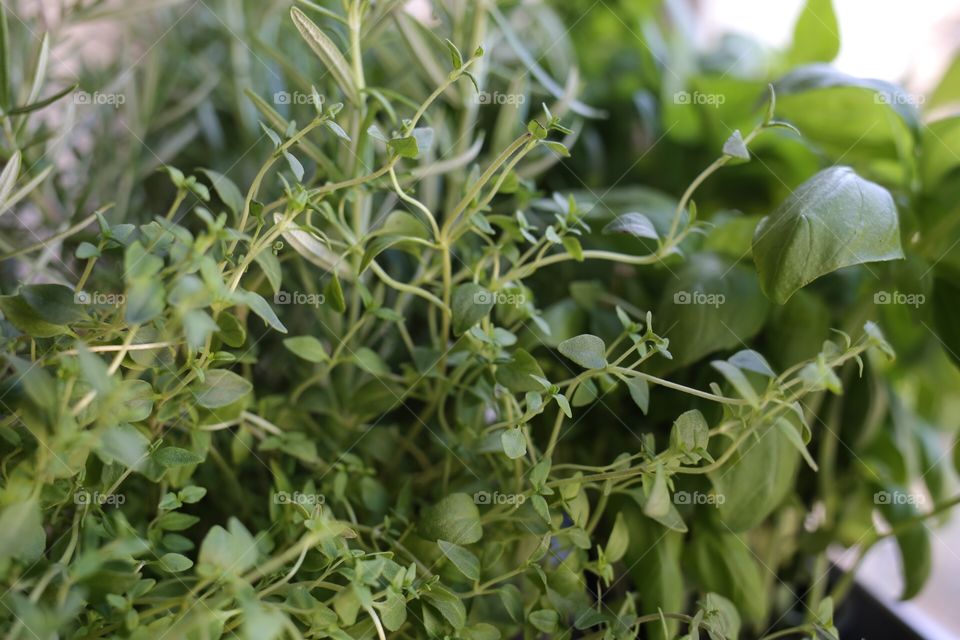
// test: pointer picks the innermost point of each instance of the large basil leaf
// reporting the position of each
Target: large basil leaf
(867, 123)
(758, 478)
(653, 556)
(713, 304)
(722, 562)
(912, 541)
(797, 329)
(939, 142)
(833, 220)
(946, 313)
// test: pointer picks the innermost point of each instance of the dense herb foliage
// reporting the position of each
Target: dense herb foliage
(325, 333)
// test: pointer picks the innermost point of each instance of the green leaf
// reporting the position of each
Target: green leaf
(869, 124)
(573, 247)
(260, 307)
(86, 250)
(124, 444)
(481, 631)
(712, 304)
(514, 443)
(227, 551)
(799, 328)
(658, 502)
(750, 360)
(22, 536)
(946, 315)
(197, 327)
(54, 303)
(271, 269)
(226, 190)
(738, 381)
(913, 543)
(720, 619)
(333, 293)
(619, 540)
(939, 140)
(328, 53)
(347, 605)
(191, 494)
(516, 375)
(816, 35)
(295, 166)
(405, 147)
(449, 605)
(220, 388)
(231, 331)
(545, 620)
(735, 146)
(558, 148)
(654, 561)
(835, 219)
(724, 564)
(393, 610)
(40, 104)
(470, 304)
(174, 563)
(371, 362)
(634, 224)
(8, 178)
(462, 559)
(756, 480)
(455, 518)
(139, 264)
(796, 439)
(176, 457)
(455, 56)
(586, 350)
(639, 392)
(308, 348)
(512, 601)
(21, 315)
(94, 369)
(690, 433)
(538, 475)
(144, 301)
